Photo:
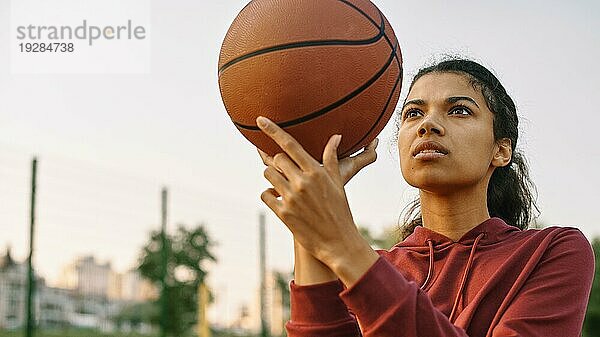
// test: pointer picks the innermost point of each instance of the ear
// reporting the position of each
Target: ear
(503, 153)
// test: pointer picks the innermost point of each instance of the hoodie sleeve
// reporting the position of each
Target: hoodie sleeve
(388, 305)
(317, 310)
(554, 299)
(385, 303)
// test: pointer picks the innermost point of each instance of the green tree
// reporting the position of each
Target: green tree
(188, 251)
(591, 325)
(136, 314)
(282, 281)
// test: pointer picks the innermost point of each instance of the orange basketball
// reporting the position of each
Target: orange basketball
(314, 67)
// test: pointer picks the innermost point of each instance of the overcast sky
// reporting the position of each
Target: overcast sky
(107, 143)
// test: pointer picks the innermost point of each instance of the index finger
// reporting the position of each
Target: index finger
(288, 143)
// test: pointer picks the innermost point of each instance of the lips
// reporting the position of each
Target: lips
(429, 147)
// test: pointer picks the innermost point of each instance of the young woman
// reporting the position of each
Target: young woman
(469, 266)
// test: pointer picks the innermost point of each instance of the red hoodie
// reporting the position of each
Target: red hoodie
(495, 281)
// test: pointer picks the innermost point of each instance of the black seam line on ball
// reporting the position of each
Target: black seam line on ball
(378, 118)
(382, 17)
(333, 105)
(374, 23)
(303, 44)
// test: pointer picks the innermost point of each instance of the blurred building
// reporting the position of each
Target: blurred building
(135, 288)
(87, 277)
(13, 290)
(115, 286)
(13, 282)
(55, 308)
(91, 297)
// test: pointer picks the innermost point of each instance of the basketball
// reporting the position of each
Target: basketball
(314, 67)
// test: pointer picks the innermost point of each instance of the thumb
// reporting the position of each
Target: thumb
(367, 156)
(330, 157)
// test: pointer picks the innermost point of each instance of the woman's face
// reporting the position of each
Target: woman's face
(444, 108)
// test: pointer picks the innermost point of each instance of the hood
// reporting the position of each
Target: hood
(494, 230)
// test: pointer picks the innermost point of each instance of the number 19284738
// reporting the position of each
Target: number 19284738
(53, 47)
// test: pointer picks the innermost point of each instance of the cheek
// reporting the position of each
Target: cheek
(472, 164)
(404, 143)
(404, 155)
(474, 159)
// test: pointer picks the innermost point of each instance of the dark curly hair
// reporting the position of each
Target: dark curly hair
(511, 194)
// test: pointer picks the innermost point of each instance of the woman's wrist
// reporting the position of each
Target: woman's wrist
(352, 261)
(308, 270)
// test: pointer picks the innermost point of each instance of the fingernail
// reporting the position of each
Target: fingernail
(261, 121)
(338, 140)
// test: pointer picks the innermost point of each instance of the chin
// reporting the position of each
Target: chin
(432, 187)
(435, 181)
(441, 183)
(419, 175)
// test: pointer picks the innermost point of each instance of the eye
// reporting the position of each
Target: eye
(410, 113)
(462, 110)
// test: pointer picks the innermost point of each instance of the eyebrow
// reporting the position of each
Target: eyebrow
(455, 99)
(452, 99)
(414, 101)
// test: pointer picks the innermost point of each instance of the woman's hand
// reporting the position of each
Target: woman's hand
(349, 166)
(313, 204)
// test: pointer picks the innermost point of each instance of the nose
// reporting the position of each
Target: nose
(429, 125)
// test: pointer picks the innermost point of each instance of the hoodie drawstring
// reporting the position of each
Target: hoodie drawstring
(430, 271)
(464, 278)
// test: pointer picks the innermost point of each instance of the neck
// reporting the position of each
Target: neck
(456, 213)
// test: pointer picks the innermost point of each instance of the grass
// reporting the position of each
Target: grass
(89, 333)
(69, 333)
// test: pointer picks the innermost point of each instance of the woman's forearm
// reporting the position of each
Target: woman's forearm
(308, 270)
